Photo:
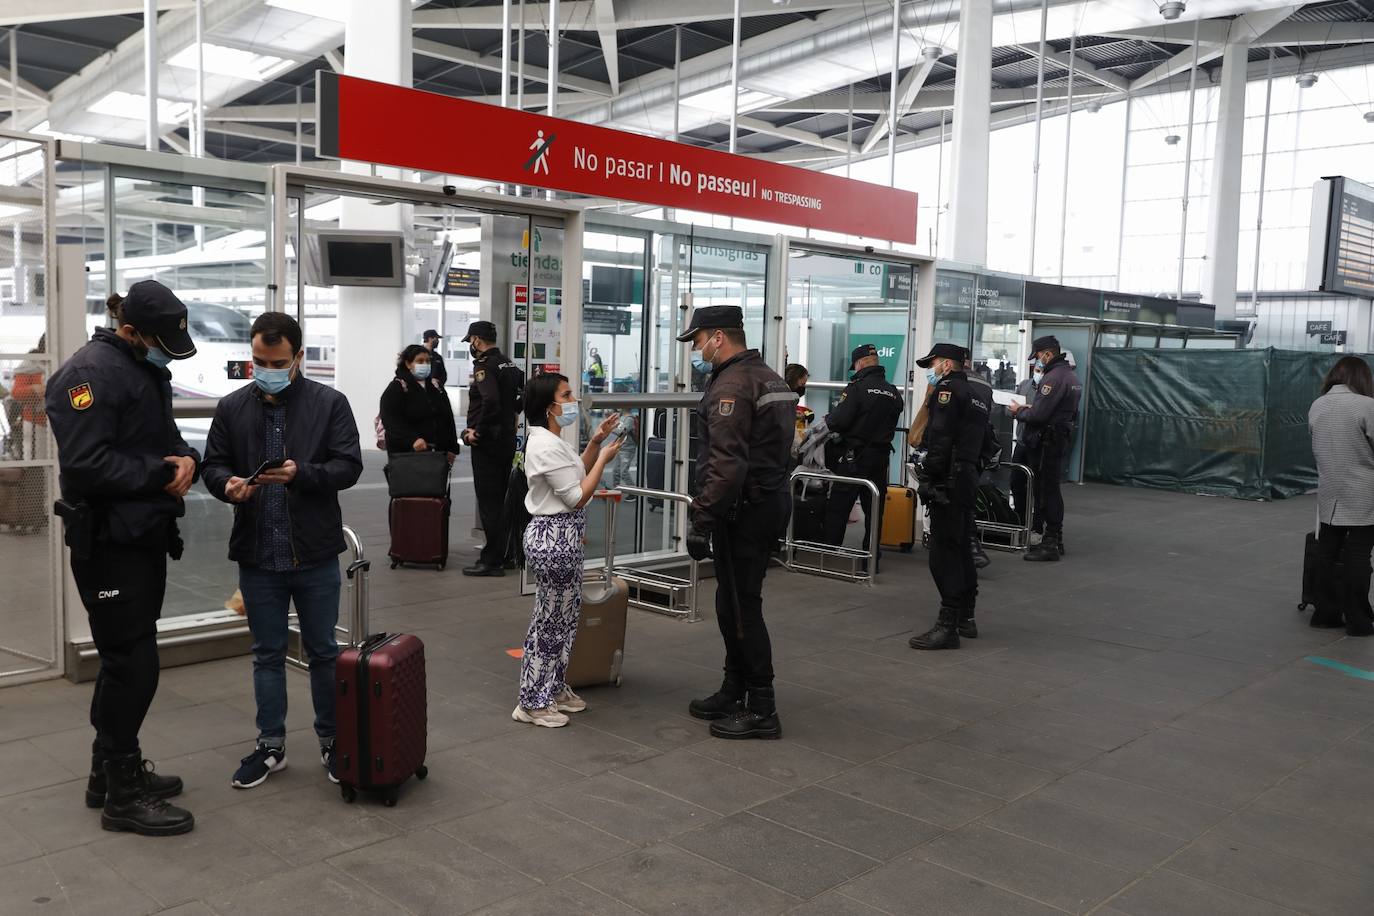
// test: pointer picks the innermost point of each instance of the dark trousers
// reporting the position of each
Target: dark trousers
(490, 475)
(951, 530)
(122, 587)
(1046, 459)
(742, 556)
(842, 498)
(1343, 590)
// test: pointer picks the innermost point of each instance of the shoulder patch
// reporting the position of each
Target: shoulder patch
(1046, 389)
(843, 395)
(480, 375)
(726, 407)
(81, 396)
(944, 397)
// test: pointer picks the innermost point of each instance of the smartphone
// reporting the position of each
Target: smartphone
(271, 465)
(621, 430)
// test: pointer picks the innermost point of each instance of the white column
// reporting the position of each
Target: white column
(972, 131)
(1223, 211)
(150, 64)
(373, 324)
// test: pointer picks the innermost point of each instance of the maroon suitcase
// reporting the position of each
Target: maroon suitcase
(381, 714)
(419, 530)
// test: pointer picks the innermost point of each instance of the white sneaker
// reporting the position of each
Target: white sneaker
(567, 701)
(549, 718)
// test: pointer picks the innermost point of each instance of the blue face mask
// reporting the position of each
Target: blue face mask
(421, 371)
(932, 377)
(1039, 363)
(272, 381)
(700, 364)
(569, 415)
(158, 357)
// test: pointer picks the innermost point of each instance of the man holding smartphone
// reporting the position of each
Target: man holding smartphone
(280, 450)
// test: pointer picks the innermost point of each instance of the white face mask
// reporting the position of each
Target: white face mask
(712, 357)
(569, 415)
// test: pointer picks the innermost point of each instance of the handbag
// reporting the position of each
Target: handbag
(417, 474)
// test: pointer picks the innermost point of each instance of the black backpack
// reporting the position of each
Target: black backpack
(990, 456)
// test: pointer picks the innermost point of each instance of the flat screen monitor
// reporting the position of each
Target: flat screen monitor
(362, 258)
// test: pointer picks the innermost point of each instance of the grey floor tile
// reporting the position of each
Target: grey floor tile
(645, 724)
(586, 749)
(194, 908)
(833, 903)
(1033, 749)
(702, 781)
(1161, 812)
(668, 880)
(502, 768)
(1049, 875)
(310, 823)
(906, 721)
(1272, 876)
(793, 862)
(535, 839)
(830, 731)
(1168, 893)
(970, 769)
(29, 768)
(782, 761)
(1319, 840)
(1104, 725)
(315, 888)
(563, 898)
(915, 886)
(1257, 725)
(941, 803)
(846, 821)
(428, 872)
(1213, 677)
(628, 809)
(1085, 833)
(71, 882)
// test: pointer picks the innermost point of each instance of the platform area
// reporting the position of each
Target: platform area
(1148, 727)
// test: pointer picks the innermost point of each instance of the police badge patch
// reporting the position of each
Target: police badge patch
(726, 407)
(1046, 389)
(944, 397)
(81, 397)
(479, 375)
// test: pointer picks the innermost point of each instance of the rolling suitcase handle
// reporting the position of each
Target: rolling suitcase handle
(612, 498)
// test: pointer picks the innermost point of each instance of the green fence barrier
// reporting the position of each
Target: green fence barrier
(1218, 422)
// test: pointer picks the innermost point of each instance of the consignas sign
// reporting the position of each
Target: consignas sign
(393, 125)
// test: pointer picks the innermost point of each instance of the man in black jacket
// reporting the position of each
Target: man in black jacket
(1048, 425)
(288, 527)
(866, 420)
(438, 371)
(493, 399)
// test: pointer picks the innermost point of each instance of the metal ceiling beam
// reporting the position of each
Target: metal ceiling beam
(793, 134)
(581, 15)
(926, 100)
(907, 90)
(1247, 29)
(492, 63)
(1210, 32)
(285, 113)
(255, 132)
(335, 59)
(25, 87)
(23, 12)
(1082, 67)
(1317, 33)
(610, 50)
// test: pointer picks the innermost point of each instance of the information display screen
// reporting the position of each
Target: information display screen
(1347, 257)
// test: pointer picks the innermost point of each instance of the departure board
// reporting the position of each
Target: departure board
(1348, 264)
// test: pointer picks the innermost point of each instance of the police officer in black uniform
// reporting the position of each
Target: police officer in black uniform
(493, 399)
(437, 370)
(746, 420)
(124, 470)
(948, 484)
(1048, 434)
(865, 420)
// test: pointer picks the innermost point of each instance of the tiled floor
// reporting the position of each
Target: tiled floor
(1138, 730)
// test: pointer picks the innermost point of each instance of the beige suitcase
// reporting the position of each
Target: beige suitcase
(599, 650)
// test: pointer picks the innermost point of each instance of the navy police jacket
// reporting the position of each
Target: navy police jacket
(1056, 403)
(959, 412)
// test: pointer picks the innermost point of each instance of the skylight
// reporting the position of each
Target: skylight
(318, 9)
(247, 65)
(718, 99)
(20, 162)
(122, 104)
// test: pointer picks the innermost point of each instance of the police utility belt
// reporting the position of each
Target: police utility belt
(82, 522)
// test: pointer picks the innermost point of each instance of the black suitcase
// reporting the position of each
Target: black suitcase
(808, 513)
(419, 531)
(1310, 566)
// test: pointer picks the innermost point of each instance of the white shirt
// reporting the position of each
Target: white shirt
(555, 473)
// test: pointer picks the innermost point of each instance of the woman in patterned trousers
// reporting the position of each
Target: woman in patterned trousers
(561, 483)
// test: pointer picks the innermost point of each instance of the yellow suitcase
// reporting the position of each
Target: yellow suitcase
(899, 518)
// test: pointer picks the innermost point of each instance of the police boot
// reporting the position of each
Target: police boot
(758, 718)
(981, 560)
(155, 784)
(722, 704)
(129, 807)
(944, 635)
(968, 627)
(1047, 551)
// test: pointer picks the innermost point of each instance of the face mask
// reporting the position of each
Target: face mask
(1039, 363)
(158, 357)
(475, 352)
(700, 364)
(421, 371)
(712, 358)
(272, 381)
(801, 392)
(932, 376)
(569, 415)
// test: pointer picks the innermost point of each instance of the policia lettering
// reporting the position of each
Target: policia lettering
(1049, 425)
(746, 420)
(124, 470)
(948, 483)
(493, 403)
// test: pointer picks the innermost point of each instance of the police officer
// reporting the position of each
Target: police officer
(124, 470)
(865, 419)
(493, 400)
(740, 509)
(437, 370)
(948, 479)
(1048, 434)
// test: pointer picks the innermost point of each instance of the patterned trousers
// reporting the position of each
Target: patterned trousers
(554, 552)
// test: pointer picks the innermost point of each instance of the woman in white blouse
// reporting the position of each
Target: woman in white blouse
(561, 483)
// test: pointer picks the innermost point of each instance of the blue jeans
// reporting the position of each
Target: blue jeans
(267, 597)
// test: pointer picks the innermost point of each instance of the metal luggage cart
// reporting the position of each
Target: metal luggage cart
(357, 600)
(861, 563)
(678, 595)
(1004, 535)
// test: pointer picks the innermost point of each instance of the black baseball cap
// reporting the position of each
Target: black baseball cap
(428, 334)
(154, 309)
(861, 351)
(1048, 342)
(481, 329)
(712, 318)
(943, 351)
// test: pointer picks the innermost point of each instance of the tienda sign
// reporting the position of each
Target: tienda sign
(392, 125)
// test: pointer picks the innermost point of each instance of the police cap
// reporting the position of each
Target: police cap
(860, 352)
(1048, 342)
(712, 318)
(154, 309)
(428, 334)
(483, 330)
(943, 351)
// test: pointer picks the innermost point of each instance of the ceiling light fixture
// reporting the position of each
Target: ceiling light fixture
(932, 52)
(1172, 139)
(1306, 80)
(1369, 117)
(1172, 9)
(1093, 106)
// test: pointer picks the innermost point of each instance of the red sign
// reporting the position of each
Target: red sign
(392, 125)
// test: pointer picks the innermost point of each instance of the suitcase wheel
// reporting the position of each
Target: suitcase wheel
(422, 772)
(441, 566)
(349, 793)
(395, 563)
(390, 798)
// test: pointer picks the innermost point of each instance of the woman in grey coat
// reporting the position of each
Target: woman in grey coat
(1342, 425)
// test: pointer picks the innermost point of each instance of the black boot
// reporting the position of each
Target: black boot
(968, 627)
(155, 784)
(944, 635)
(758, 718)
(1047, 551)
(722, 704)
(129, 807)
(981, 560)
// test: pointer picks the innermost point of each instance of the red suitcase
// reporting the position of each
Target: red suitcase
(382, 722)
(419, 530)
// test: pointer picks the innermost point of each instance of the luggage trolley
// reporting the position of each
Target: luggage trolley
(679, 593)
(793, 547)
(1007, 534)
(356, 631)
